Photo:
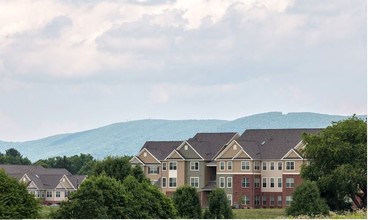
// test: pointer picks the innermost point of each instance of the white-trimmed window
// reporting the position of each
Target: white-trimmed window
(290, 165)
(256, 165)
(185, 147)
(229, 165)
(57, 194)
(256, 200)
(153, 170)
(172, 165)
(222, 165)
(194, 181)
(194, 166)
(67, 194)
(164, 166)
(230, 198)
(264, 200)
(264, 182)
(245, 182)
(164, 182)
(272, 165)
(245, 165)
(279, 200)
(235, 147)
(229, 182)
(289, 182)
(257, 182)
(222, 182)
(288, 200)
(272, 182)
(272, 200)
(279, 165)
(172, 182)
(144, 154)
(264, 165)
(279, 182)
(246, 200)
(49, 194)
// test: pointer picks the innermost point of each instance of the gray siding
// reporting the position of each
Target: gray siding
(200, 173)
(189, 154)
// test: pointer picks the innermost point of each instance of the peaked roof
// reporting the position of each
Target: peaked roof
(272, 143)
(161, 149)
(21, 169)
(209, 144)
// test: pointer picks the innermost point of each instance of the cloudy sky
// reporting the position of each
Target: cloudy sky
(71, 65)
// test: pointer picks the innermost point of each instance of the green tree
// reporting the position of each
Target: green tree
(338, 162)
(15, 201)
(146, 201)
(307, 201)
(218, 204)
(12, 156)
(97, 197)
(187, 202)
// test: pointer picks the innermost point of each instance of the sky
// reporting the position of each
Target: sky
(72, 65)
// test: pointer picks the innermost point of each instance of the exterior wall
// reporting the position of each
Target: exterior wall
(297, 169)
(53, 198)
(148, 159)
(189, 153)
(201, 173)
(226, 188)
(181, 174)
(289, 191)
(152, 177)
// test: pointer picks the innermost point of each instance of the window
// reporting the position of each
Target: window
(264, 165)
(257, 183)
(222, 165)
(164, 166)
(222, 182)
(245, 182)
(272, 200)
(264, 200)
(185, 147)
(279, 182)
(246, 200)
(230, 165)
(279, 165)
(256, 165)
(42, 194)
(264, 182)
(272, 182)
(245, 165)
(194, 166)
(172, 182)
(67, 193)
(164, 182)
(48, 194)
(57, 194)
(153, 170)
(145, 154)
(279, 200)
(288, 200)
(289, 182)
(172, 165)
(290, 165)
(230, 198)
(229, 182)
(272, 165)
(235, 147)
(256, 200)
(194, 181)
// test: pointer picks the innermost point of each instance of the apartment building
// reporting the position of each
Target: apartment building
(259, 168)
(50, 185)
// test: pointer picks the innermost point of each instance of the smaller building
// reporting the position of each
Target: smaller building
(50, 185)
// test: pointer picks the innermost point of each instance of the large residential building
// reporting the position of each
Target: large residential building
(50, 185)
(260, 168)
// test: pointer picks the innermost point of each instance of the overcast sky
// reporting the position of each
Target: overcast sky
(71, 65)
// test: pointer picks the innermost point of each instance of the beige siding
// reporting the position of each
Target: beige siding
(297, 169)
(181, 174)
(150, 176)
(242, 155)
(230, 152)
(292, 155)
(148, 158)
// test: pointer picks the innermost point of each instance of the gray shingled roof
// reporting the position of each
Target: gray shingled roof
(44, 178)
(271, 143)
(209, 144)
(161, 149)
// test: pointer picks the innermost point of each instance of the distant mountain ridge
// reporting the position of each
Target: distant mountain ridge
(126, 138)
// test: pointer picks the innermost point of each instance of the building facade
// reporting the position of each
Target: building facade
(260, 168)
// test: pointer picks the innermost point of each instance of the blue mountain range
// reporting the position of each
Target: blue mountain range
(126, 138)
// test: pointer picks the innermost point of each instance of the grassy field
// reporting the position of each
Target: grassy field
(46, 210)
(258, 213)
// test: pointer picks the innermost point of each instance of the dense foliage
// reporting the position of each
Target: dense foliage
(338, 163)
(187, 202)
(15, 201)
(218, 205)
(12, 156)
(307, 201)
(74, 164)
(106, 197)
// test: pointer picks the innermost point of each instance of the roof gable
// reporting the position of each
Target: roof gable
(292, 154)
(146, 157)
(242, 155)
(230, 151)
(174, 155)
(187, 151)
(160, 149)
(136, 160)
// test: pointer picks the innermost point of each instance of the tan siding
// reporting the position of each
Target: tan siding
(242, 155)
(148, 158)
(230, 152)
(151, 177)
(181, 174)
(175, 155)
(292, 154)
